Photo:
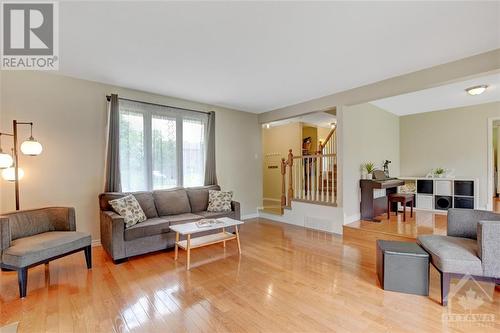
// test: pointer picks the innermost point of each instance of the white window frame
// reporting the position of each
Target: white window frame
(148, 112)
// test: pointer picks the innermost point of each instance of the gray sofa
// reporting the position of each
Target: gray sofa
(37, 236)
(163, 208)
(471, 247)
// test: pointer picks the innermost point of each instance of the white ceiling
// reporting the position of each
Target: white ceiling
(443, 97)
(321, 119)
(259, 56)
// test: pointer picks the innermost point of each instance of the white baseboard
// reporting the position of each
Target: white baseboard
(272, 217)
(271, 199)
(249, 216)
(352, 218)
(95, 242)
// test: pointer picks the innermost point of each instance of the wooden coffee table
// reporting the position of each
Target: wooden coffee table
(191, 228)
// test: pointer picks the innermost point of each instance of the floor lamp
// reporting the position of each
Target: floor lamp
(10, 163)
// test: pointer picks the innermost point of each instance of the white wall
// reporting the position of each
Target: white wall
(454, 139)
(311, 216)
(367, 134)
(70, 115)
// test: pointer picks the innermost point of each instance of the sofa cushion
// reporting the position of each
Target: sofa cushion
(198, 197)
(145, 199)
(150, 227)
(182, 218)
(171, 202)
(147, 203)
(452, 254)
(29, 250)
(128, 207)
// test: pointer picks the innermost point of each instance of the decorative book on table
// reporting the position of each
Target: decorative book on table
(205, 223)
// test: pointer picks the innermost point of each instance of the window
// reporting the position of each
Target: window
(160, 147)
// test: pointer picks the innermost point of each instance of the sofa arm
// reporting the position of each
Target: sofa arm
(235, 207)
(463, 222)
(112, 234)
(4, 234)
(488, 247)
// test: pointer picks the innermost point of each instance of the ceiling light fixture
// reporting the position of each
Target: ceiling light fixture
(476, 90)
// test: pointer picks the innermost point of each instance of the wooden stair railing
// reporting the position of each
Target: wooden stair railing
(311, 178)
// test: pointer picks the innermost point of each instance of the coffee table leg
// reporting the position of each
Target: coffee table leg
(188, 249)
(238, 238)
(176, 246)
(224, 242)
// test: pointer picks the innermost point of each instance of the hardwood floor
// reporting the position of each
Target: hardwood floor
(288, 279)
(422, 223)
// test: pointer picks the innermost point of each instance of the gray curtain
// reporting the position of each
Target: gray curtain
(113, 181)
(210, 174)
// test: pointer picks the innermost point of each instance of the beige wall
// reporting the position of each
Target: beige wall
(323, 133)
(312, 132)
(368, 134)
(454, 139)
(70, 115)
(276, 141)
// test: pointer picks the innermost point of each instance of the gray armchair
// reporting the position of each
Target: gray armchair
(471, 247)
(33, 237)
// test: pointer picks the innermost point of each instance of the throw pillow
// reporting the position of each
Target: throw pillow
(128, 207)
(219, 201)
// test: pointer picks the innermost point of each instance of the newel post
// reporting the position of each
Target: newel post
(290, 177)
(320, 147)
(320, 166)
(283, 181)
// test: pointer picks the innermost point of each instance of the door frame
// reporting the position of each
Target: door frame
(491, 155)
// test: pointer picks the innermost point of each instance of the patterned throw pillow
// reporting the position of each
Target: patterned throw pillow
(219, 201)
(128, 207)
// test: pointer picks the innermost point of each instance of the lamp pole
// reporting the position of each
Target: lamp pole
(29, 151)
(16, 165)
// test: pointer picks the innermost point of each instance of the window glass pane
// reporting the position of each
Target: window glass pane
(132, 161)
(164, 152)
(193, 145)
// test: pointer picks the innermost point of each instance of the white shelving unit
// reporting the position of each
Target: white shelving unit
(440, 194)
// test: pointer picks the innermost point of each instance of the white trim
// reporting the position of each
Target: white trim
(95, 242)
(250, 216)
(272, 199)
(489, 199)
(352, 218)
(273, 217)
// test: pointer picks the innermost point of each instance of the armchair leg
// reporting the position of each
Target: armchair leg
(445, 288)
(22, 276)
(88, 256)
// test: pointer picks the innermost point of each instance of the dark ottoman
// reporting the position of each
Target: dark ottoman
(403, 267)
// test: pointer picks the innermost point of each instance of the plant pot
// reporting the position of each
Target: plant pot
(369, 176)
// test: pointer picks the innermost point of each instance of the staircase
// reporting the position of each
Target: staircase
(311, 178)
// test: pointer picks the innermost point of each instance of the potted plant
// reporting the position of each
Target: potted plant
(439, 172)
(369, 168)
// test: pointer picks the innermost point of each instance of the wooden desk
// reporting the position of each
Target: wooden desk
(372, 206)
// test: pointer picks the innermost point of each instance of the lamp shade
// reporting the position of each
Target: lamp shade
(31, 147)
(5, 160)
(9, 174)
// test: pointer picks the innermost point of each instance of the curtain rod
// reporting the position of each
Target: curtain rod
(108, 97)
